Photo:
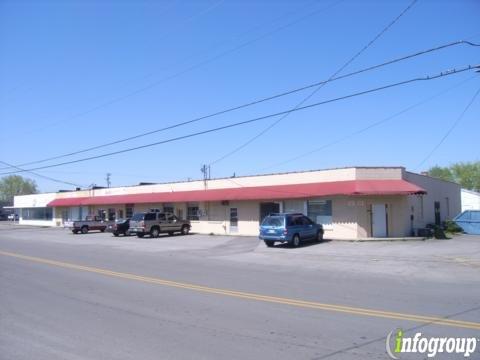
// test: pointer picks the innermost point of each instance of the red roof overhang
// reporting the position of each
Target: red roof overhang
(295, 191)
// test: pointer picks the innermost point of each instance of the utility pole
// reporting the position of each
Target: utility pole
(108, 179)
(206, 174)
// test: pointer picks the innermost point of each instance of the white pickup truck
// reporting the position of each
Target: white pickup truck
(91, 222)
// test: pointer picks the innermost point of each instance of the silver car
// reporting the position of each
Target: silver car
(155, 223)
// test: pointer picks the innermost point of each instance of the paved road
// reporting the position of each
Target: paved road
(66, 296)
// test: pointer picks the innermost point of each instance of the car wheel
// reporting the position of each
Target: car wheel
(140, 235)
(295, 241)
(319, 236)
(102, 230)
(75, 231)
(84, 229)
(154, 232)
(185, 230)
(115, 234)
(269, 243)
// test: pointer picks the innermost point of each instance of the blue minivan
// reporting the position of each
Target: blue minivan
(291, 228)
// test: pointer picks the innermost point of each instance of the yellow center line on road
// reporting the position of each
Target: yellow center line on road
(253, 296)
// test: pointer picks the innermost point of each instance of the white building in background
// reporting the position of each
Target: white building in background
(351, 203)
(470, 200)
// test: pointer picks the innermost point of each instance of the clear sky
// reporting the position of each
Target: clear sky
(76, 74)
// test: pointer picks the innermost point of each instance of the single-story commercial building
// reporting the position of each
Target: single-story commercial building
(351, 203)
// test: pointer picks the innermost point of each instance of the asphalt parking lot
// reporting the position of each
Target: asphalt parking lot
(454, 259)
(67, 296)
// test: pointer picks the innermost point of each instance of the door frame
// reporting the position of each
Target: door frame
(386, 219)
(279, 203)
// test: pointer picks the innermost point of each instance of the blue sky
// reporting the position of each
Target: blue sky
(76, 74)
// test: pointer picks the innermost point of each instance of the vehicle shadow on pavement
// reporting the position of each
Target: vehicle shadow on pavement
(303, 244)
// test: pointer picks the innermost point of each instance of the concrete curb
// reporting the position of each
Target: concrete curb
(384, 239)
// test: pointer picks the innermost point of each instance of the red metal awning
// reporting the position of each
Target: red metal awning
(293, 191)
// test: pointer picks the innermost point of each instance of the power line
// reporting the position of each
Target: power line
(308, 97)
(202, 12)
(255, 102)
(240, 123)
(188, 69)
(41, 176)
(368, 127)
(449, 131)
(217, 44)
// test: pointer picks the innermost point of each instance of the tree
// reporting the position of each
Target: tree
(13, 185)
(467, 174)
(443, 173)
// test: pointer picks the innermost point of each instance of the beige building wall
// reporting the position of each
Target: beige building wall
(445, 192)
(247, 181)
(397, 214)
(215, 218)
(344, 219)
(379, 173)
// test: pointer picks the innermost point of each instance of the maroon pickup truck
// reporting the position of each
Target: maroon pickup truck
(90, 223)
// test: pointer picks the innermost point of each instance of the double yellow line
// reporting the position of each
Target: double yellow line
(253, 296)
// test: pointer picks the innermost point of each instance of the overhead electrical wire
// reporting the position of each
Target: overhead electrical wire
(186, 70)
(318, 88)
(254, 28)
(41, 176)
(245, 122)
(252, 103)
(450, 129)
(368, 127)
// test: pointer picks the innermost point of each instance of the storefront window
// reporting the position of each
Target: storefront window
(111, 214)
(193, 211)
(168, 208)
(102, 214)
(233, 217)
(320, 211)
(129, 210)
(37, 214)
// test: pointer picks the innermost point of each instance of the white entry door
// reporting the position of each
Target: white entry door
(379, 220)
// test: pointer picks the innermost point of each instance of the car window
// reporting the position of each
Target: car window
(171, 217)
(307, 221)
(297, 221)
(138, 216)
(161, 217)
(289, 221)
(273, 221)
(150, 216)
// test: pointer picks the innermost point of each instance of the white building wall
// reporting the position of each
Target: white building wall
(35, 201)
(470, 200)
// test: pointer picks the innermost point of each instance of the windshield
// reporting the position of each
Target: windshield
(138, 216)
(273, 221)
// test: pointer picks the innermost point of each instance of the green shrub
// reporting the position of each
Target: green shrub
(439, 233)
(452, 227)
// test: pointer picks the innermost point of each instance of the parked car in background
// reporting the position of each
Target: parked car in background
(121, 226)
(155, 223)
(90, 223)
(13, 217)
(291, 228)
